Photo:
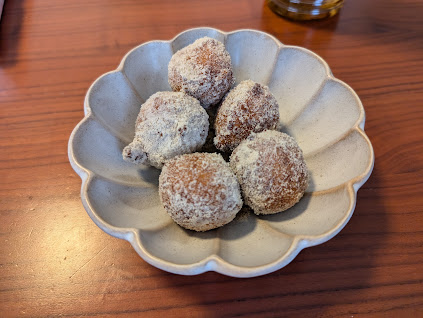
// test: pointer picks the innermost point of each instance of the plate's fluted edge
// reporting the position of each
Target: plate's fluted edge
(214, 262)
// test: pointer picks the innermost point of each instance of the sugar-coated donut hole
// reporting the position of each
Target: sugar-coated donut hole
(199, 191)
(249, 107)
(168, 124)
(203, 70)
(271, 170)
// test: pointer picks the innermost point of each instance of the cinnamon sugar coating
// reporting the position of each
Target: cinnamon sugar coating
(249, 107)
(271, 170)
(199, 191)
(168, 124)
(203, 70)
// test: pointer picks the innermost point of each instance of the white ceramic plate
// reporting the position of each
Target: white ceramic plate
(322, 113)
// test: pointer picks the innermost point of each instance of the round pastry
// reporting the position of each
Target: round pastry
(199, 191)
(168, 124)
(249, 107)
(202, 70)
(271, 170)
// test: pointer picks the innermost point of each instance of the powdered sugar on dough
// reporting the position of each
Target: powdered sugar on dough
(202, 70)
(271, 170)
(169, 124)
(199, 191)
(249, 107)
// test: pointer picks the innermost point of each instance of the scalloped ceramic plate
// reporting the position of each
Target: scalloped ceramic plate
(322, 113)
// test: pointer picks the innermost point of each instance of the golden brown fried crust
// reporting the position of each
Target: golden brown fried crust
(249, 107)
(199, 191)
(202, 70)
(271, 171)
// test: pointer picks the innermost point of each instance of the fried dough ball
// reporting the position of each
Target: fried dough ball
(249, 107)
(168, 124)
(199, 191)
(271, 170)
(202, 70)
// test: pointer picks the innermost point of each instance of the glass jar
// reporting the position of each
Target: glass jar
(305, 9)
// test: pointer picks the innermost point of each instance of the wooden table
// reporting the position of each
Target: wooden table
(54, 261)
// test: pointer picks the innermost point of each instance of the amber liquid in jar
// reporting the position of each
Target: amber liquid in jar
(305, 9)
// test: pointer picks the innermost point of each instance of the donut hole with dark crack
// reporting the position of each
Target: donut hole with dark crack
(249, 107)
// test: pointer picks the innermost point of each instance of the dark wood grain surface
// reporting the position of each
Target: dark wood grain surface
(54, 261)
